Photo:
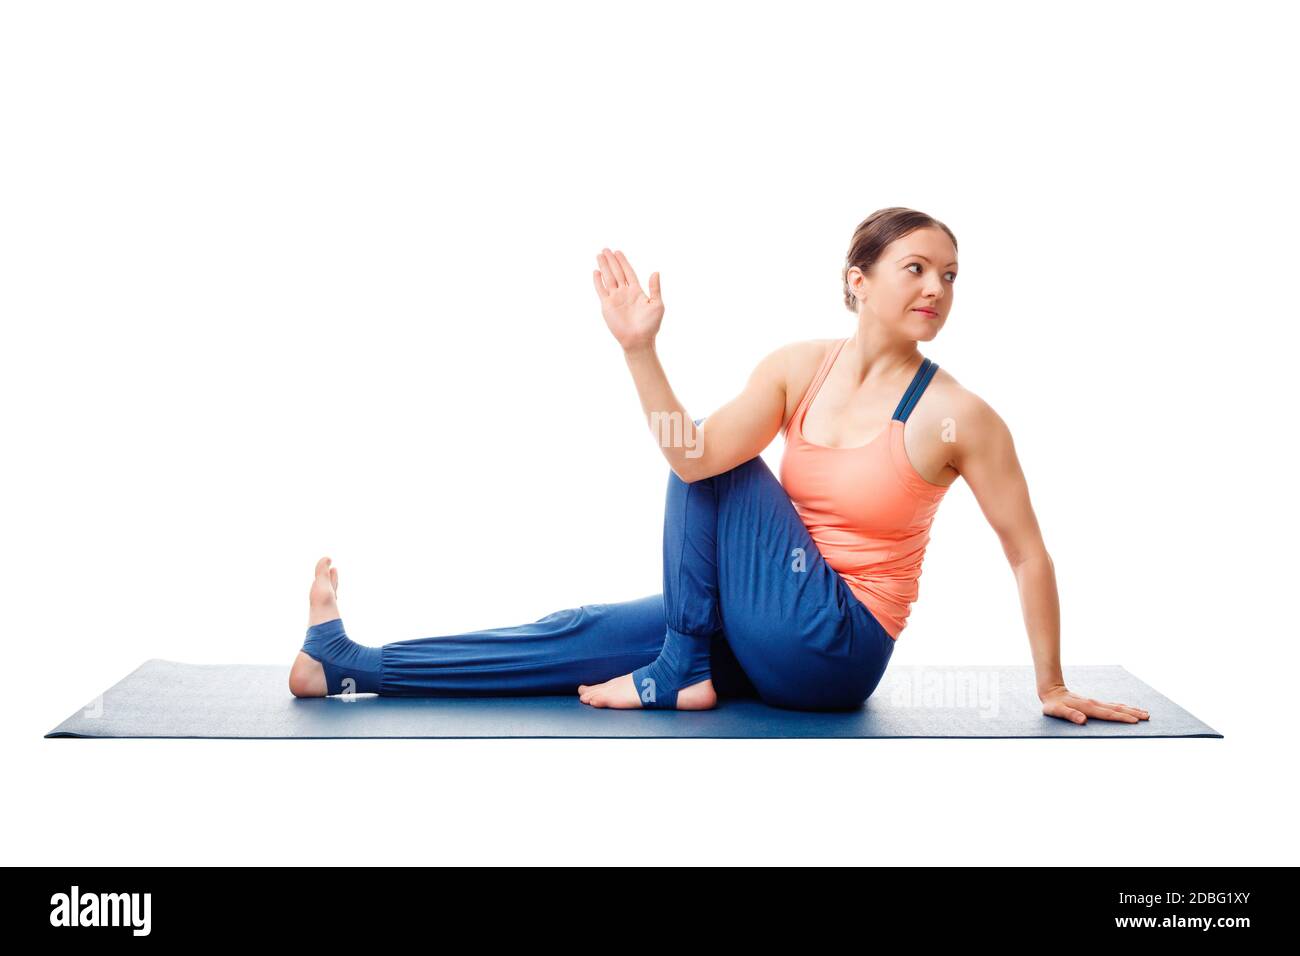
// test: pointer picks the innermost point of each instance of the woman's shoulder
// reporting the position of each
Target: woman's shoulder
(796, 364)
(818, 347)
(951, 409)
(801, 359)
(946, 391)
(793, 365)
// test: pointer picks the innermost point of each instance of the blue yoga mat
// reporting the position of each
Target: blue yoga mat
(164, 698)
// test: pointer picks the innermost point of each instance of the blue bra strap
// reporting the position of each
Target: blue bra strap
(913, 394)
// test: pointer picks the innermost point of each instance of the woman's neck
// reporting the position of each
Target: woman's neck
(873, 357)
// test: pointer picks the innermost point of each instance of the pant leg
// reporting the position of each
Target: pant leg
(552, 655)
(747, 599)
(695, 647)
(803, 638)
(738, 558)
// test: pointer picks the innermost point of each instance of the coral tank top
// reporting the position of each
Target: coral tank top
(866, 508)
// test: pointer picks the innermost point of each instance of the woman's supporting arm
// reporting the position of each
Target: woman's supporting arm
(985, 455)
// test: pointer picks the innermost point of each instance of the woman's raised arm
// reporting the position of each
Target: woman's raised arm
(733, 434)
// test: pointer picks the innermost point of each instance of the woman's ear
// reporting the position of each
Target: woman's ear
(857, 284)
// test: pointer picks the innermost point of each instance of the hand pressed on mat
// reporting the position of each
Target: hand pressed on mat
(1061, 702)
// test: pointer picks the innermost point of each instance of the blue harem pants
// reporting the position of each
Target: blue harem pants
(748, 601)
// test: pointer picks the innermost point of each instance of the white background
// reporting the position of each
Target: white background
(281, 280)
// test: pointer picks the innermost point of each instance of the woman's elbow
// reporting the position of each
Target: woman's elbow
(1018, 557)
(690, 469)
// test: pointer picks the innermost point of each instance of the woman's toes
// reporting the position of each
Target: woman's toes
(322, 587)
(618, 692)
(323, 606)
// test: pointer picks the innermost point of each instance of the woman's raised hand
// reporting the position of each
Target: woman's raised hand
(633, 316)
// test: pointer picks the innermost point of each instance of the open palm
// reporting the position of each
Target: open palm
(1061, 702)
(633, 316)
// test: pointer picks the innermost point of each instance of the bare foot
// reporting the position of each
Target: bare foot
(307, 676)
(323, 599)
(620, 693)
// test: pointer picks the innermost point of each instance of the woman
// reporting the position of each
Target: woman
(792, 590)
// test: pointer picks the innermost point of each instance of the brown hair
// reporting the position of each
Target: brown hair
(875, 233)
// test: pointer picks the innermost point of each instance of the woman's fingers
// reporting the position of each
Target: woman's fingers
(1095, 709)
(628, 274)
(617, 267)
(1121, 711)
(611, 281)
(607, 273)
(1061, 709)
(617, 272)
(1135, 711)
(596, 281)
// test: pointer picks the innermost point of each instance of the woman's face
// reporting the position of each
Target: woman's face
(914, 272)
